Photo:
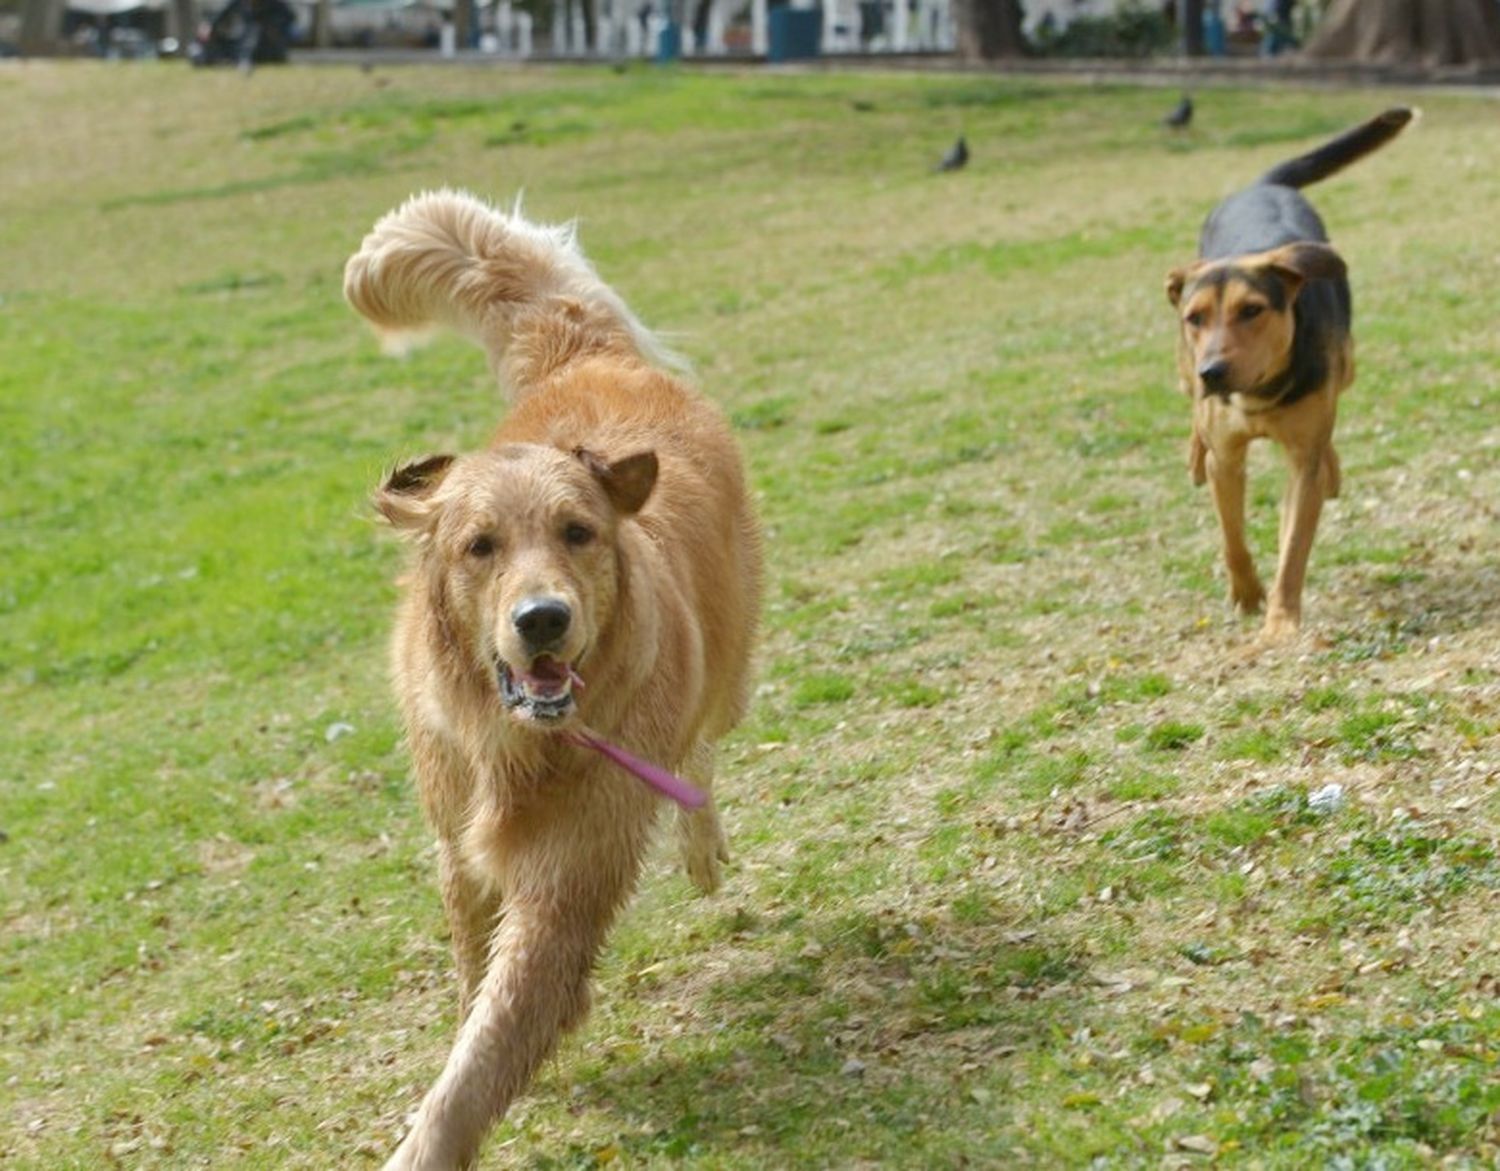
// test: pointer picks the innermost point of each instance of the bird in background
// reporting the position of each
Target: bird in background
(957, 156)
(1181, 115)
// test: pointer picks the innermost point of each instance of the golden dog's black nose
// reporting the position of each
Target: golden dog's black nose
(541, 622)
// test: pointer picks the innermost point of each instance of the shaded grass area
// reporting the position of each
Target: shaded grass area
(1033, 864)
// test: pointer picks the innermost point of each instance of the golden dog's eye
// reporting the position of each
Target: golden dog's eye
(578, 535)
(481, 546)
(1195, 319)
(1251, 312)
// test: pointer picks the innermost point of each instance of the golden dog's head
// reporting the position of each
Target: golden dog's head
(519, 547)
(1237, 314)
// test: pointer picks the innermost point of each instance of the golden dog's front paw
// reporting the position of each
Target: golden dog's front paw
(402, 1160)
(704, 849)
(704, 870)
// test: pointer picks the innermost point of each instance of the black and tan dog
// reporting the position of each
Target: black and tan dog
(1264, 351)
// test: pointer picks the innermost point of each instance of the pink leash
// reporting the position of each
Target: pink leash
(659, 779)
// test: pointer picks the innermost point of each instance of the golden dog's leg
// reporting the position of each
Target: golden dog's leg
(447, 786)
(1226, 479)
(472, 907)
(565, 873)
(700, 837)
(1301, 509)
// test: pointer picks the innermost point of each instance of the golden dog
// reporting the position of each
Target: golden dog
(1264, 351)
(605, 538)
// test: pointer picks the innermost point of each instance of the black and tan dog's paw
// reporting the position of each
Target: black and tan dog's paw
(1280, 628)
(1247, 595)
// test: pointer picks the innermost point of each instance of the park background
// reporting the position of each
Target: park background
(1033, 863)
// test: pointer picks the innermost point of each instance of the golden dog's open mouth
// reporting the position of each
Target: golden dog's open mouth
(542, 692)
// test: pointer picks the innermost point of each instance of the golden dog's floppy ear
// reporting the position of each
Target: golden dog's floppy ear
(1306, 260)
(627, 482)
(405, 499)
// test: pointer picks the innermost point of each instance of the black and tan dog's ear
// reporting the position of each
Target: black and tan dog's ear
(1176, 279)
(405, 499)
(627, 482)
(1306, 260)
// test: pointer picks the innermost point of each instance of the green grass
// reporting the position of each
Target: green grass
(1172, 736)
(1026, 867)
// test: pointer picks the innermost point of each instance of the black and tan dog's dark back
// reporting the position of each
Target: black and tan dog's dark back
(1264, 350)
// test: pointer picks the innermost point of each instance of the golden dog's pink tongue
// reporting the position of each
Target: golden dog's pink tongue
(547, 675)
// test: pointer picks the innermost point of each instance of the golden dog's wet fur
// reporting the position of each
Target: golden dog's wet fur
(1264, 351)
(616, 489)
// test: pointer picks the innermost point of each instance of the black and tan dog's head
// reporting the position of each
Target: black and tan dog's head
(1237, 315)
(519, 549)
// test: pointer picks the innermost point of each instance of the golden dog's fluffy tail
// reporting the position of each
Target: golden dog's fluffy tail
(445, 258)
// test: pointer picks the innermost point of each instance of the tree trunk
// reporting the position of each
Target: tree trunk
(1190, 16)
(1409, 32)
(185, 15)
(322, 37)
(463, 23)
(988, 29)
(41, 26)
(590, 26)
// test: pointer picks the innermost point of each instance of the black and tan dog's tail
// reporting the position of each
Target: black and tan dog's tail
(1348, 147)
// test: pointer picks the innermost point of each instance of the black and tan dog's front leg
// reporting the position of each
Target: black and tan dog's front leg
(1305, 433)
(1308, 480)
(1225, 466)
(1333, 474)
(1197, 459)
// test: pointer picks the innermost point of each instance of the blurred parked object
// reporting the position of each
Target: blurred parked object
(245, 33)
